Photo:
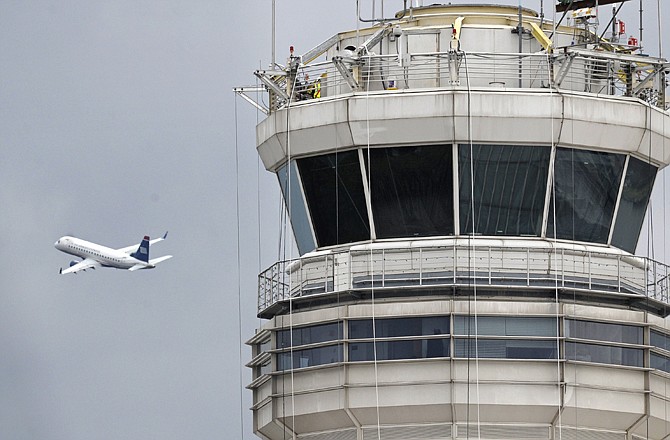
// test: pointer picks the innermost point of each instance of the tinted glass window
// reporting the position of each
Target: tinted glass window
(505, 349)
(310, 335)
(388, 328)
(660, 362)
(412, 191)
(310, 357)
(390, 350)
(601, 331)
(604, 354)
(296, 208)
(660, 340)
(586, 188)
(505, 326)
(637, 188)
(334, 190)
(509, 189)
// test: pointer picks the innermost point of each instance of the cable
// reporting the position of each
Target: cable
(372, 271)
(555, 265)
(473, 245)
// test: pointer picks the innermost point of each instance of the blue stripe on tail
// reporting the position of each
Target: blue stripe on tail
(142, 252)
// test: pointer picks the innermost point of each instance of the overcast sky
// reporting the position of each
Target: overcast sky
(117, 120)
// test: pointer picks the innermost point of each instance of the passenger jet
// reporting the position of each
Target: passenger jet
(93, 255)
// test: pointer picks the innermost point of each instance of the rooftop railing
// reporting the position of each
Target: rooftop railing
(601, 73)
(465, 266)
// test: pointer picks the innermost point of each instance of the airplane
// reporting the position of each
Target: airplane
(93, 255)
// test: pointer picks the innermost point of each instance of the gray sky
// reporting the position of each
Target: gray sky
(117, 120)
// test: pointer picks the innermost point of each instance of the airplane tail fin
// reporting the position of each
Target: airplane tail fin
(142, 252)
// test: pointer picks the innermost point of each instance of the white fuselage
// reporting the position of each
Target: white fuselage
(107, 257)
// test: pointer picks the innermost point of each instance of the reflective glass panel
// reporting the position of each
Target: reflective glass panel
(505, 326)
(587, 184)
(412, 191)
(296, 208)
(334, 190)
(660, 340)
(510, 184)
(601, 331)
(504, 348)
(310, 335)
(660, 362)
(604, 354)
(637, 188)
(390, 350)
(393, 327)
(310, 357)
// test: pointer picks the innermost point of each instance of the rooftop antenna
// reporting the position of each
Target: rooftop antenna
(274, 60)
(641, 44)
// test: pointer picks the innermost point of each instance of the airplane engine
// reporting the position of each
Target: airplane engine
(73, 262)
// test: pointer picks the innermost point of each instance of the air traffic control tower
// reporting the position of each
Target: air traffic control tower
(466, 186)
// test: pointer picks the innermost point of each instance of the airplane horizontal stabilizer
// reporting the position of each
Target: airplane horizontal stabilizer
(155, 261)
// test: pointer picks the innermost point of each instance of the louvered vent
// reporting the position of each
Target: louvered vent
(504, 432)
(414, 432)
(586, 434)
(348, 434)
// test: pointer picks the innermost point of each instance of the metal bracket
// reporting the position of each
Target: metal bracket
(642, 84)
(267, 77)
(565, 67)
(343, 68)
(363, 49)
(316, 52)
(242, 92)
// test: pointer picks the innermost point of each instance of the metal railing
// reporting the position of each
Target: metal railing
(601, 73)
(458, 265)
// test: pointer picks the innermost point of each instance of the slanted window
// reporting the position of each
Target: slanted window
(412, 191)
(585, 194)
(334, 190)
(295, 204)
(510, 184)
(637, 188)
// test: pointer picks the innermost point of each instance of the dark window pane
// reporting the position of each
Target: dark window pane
(504, 349)
(660, 362)
(412, 191)
(390, 350)
(296, 209)
(394, 327)
(310, 335)
(600, 331)
(604, 354)
(310, 357)
(334, 190)
(660, 340)
(587, 184)
(634, 198)
(505, 326)
(509, 188)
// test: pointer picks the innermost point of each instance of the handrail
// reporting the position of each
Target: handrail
(570, 69)
(460, 265)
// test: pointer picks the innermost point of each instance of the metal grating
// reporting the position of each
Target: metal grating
(414, 432)
(348, 434)
(503, 432)
(587, 434)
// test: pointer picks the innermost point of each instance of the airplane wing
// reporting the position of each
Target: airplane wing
(133, 248)
(87, 263)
